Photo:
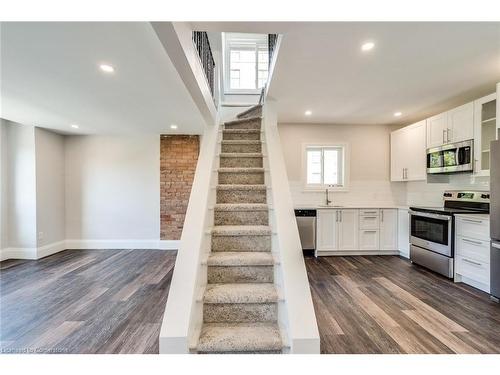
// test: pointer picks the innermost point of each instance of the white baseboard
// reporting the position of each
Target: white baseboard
(46, 250)
(357, 252)
(18, 253)
(169, 244)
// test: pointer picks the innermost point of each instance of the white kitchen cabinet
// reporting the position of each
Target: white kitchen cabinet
(326, 228)
(368, 239)
(437, 126)
(472, 251)
(348, 227)
(461, 123)
(485, 131)
(455, 125)
(408, 153)
(388, 229)
(404, 233)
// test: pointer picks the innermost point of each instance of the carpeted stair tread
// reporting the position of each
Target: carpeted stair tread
(241, 230)
(240, 293)
(241, 155)
(242, 170)
(242, 131)
(243, 120)
(239, 337)
(241, 187)
(249, 110)
(241, 207)
(240, 258)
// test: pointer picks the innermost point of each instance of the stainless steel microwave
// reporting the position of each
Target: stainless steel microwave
(451, 158)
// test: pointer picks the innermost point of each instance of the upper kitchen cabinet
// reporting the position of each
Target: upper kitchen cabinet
(408, 158)
(455, 125)
(485, 131)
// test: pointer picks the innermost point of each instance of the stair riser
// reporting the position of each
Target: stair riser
(241, 243)
(241, 196)
(240, 136)
(241, 162)
(241, 218)
(253, 113)
(240, 274)
(254, 124)
(239, 312)
(238, 178)
(241, 148)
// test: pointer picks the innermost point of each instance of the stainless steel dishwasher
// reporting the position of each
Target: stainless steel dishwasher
(306, 221)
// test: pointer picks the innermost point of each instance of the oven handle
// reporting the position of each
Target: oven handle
(434, 216)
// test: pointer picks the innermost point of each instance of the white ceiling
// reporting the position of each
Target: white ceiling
(50, 78)
(416, 68)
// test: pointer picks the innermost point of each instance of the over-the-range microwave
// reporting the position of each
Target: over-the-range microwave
(451, 158)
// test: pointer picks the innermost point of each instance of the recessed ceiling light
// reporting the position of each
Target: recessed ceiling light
(173, 126)
(106, 68)
(367, 46)
(397, 114)
(308, 113)
(74, 126)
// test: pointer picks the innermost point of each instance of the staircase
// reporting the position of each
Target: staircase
(240, 303)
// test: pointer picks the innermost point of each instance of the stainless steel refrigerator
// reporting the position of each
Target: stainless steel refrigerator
(495, 219)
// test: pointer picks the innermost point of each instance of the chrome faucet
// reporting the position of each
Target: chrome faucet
(328, 201)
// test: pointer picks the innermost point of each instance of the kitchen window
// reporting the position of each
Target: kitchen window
(246, 64)
(325, 166)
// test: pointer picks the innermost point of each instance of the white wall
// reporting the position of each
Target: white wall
(369, 163)
(20, 185)
(112, 188)
(3, 184)
(50, 199)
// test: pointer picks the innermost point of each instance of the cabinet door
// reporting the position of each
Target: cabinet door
(398, 154)
(416, 164)
(388, 229)
(404, 233)
(437, 126)
(368, 239)
(461, 123)
(326, 228)
(348, 230)
(484, 132)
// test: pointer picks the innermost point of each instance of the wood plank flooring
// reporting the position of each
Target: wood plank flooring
(112, 301)
(384, 304)
(84, 301)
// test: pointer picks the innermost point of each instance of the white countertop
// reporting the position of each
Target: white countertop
(475, 216)
(349, 206)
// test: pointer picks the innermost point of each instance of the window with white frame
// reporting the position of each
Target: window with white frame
(246, 63)
(325, 166)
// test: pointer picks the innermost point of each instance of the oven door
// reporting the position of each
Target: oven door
(432, 232)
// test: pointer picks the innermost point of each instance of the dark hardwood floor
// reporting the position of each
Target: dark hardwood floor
(84, 301)
(112, 301)
(370, 304)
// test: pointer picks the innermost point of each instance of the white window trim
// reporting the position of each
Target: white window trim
(227, 68)
(321, 187)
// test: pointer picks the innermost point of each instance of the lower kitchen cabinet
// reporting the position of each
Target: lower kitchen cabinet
(356, 231)
(388, 229)
(472, 251)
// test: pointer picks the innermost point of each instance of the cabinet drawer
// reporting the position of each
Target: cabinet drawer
(369, 239)
(472, 269)
(369, 212)
(473, 228)
(368, 222)
(473, 249)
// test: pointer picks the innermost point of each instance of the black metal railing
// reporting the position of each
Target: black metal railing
(200, 39)
(271, 45)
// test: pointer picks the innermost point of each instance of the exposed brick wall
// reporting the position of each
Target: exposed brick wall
(178, 158)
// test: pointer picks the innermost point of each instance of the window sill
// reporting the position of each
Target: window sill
(323, 189)
(256, 93)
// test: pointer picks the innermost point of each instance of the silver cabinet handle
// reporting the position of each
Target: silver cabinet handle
(444, 131)
(471, 262)
(340, 216)
(448, 135)
(370, 217)
(472, 242)
(403, 173)
(336, 216)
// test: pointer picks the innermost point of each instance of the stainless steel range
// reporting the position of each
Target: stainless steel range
(432, 229)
